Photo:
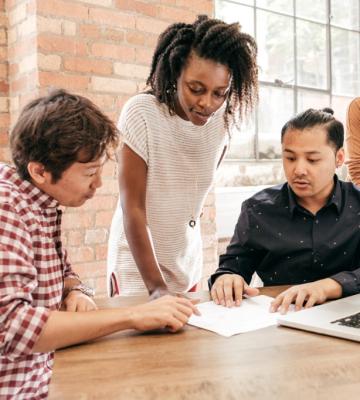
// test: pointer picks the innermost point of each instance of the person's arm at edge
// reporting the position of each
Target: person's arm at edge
(132, 182)
(68, 328)
(353, 140)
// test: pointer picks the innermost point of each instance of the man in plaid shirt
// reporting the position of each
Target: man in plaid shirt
(59, 146)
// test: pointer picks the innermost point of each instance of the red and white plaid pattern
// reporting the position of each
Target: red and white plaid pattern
(33, 266)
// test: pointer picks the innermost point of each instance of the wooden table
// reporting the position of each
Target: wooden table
(271, 363)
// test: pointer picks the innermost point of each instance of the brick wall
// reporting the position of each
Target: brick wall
(101, 49)
(4, 85)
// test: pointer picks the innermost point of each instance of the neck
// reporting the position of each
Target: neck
(317, 202)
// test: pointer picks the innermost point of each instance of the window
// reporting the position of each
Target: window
(309, 55)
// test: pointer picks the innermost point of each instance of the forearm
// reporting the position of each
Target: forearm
(140, 242)
(68, 328)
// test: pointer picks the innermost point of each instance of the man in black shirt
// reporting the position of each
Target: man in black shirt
(305, 232)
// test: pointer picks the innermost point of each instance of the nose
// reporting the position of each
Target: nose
(300, 168)
(97, 181)
(206, 102)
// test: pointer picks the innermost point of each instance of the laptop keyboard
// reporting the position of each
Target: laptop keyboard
(352, 320)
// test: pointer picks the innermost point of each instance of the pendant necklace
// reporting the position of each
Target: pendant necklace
(192, 222)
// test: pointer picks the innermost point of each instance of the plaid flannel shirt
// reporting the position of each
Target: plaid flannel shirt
(33, 267)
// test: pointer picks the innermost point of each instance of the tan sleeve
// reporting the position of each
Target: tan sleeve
(353, 141)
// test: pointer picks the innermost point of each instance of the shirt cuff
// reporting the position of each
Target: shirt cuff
(349, 282)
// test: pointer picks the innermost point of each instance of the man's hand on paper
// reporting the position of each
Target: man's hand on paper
(306, 295)
(229, 289)
(168, 312)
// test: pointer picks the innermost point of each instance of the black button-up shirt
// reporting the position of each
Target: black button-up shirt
(286, 244)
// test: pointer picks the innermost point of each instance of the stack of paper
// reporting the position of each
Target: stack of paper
(251, 315)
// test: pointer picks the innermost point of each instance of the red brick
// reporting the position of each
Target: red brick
(4, 87)
(66, 81)
(198, 6)
(75, 238)
(143, 55)
(90, 31)
(5, 154)
(111, 17)
(81, 254)
(115, 35)
(100, 202)
(151, 25)
(139, 7)
(101, 251)
(136, 38)
(60, 44)
(77, 220)
(21, 49)
(92, 269)
(103, 101)
(104, 218)
(63, 9)
(4, 120)
(88, 65)
(176, 14)
(113, 51)
(4, 138)
(20, 84)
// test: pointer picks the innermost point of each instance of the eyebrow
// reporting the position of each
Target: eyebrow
(306, 152)
(202, 84)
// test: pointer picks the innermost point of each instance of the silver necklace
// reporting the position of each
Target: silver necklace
(193, 218)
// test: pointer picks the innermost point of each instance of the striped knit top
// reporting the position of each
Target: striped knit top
(181, 162)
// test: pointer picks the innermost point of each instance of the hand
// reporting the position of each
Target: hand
(77, 301)
(229, 288)
(306, 295)
(166, 312)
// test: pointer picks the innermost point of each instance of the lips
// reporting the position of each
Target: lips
(301, 184)
(200, 116)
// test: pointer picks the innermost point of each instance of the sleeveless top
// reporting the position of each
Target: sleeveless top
(181, 163)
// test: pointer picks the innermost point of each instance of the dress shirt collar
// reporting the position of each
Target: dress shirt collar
(335, 198)
(36, 197)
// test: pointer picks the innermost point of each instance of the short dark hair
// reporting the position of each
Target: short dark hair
(53, 130)
(214, 40)
(311, 118)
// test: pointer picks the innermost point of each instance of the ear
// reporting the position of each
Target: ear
(340, 157)
(37, 173)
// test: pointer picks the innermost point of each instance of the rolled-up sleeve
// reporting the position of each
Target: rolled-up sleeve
(353, 141)
(20, 323)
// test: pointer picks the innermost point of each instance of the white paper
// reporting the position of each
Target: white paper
(252, 314)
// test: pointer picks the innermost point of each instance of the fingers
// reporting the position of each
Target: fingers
(228, 290)
(250, 291)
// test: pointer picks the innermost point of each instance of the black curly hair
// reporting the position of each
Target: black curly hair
(214, 40)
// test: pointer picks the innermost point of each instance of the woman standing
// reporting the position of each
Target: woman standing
(203, 76)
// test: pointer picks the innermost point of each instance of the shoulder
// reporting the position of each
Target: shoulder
(267, 198)
(9, 190)
(350, 188)
(141, 102)
(354, 106)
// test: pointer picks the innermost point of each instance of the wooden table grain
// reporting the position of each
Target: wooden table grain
(271, 363)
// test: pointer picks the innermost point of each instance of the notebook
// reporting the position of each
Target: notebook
(340, 318)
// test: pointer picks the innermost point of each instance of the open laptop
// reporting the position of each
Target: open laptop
(339, 318)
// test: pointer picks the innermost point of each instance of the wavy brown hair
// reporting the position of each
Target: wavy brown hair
(59, 129)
